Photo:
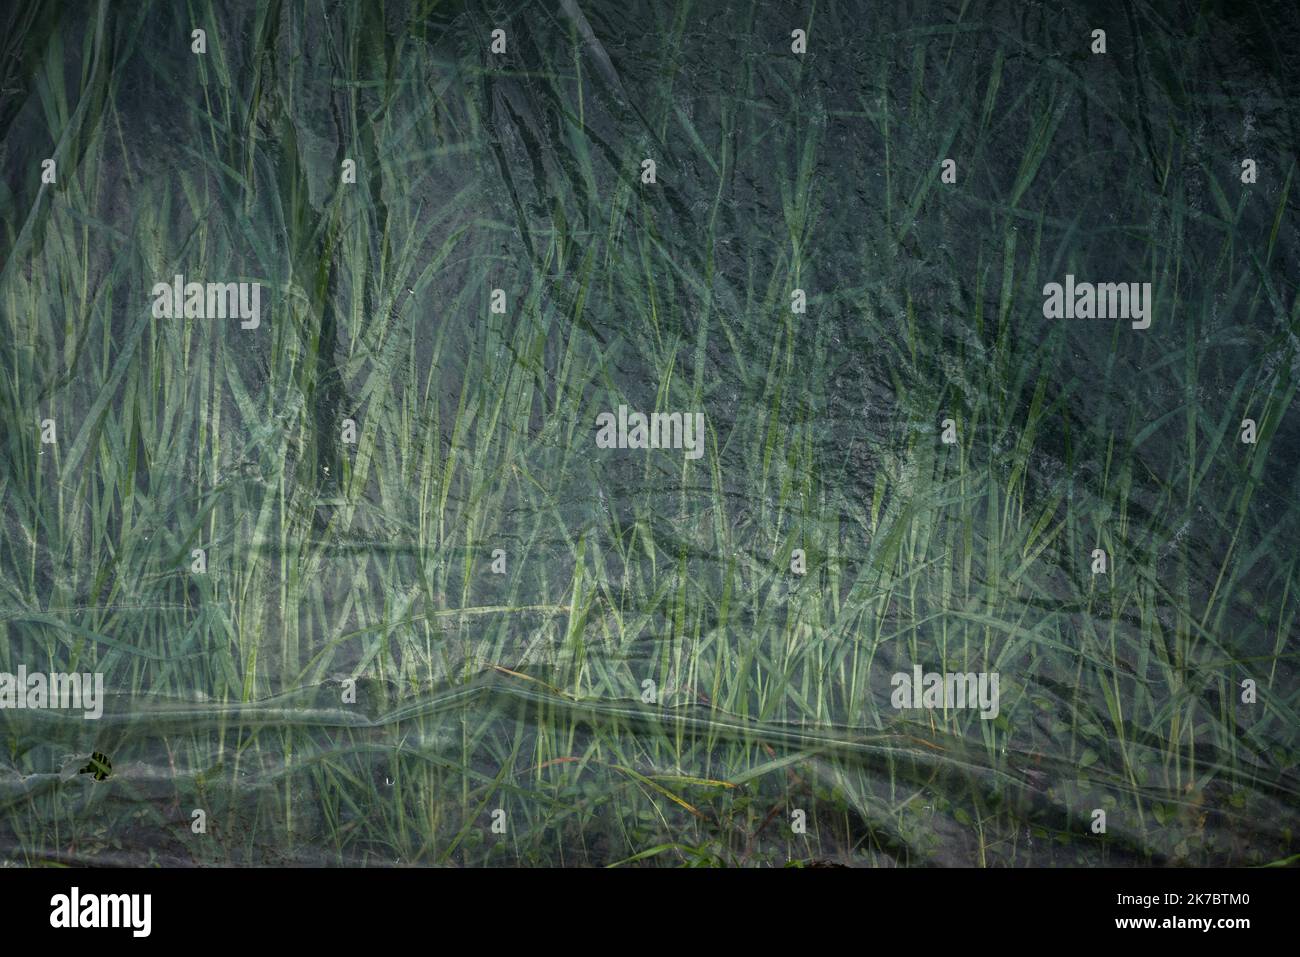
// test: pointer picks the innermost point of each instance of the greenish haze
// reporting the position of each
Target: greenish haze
(329, 561)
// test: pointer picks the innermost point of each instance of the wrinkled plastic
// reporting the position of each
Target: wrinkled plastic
(364, 588)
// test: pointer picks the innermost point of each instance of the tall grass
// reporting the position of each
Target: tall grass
(523, 692)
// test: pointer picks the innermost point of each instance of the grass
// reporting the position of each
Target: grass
(523, 692)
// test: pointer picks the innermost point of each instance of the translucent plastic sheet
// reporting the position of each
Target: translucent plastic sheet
(358, 532)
